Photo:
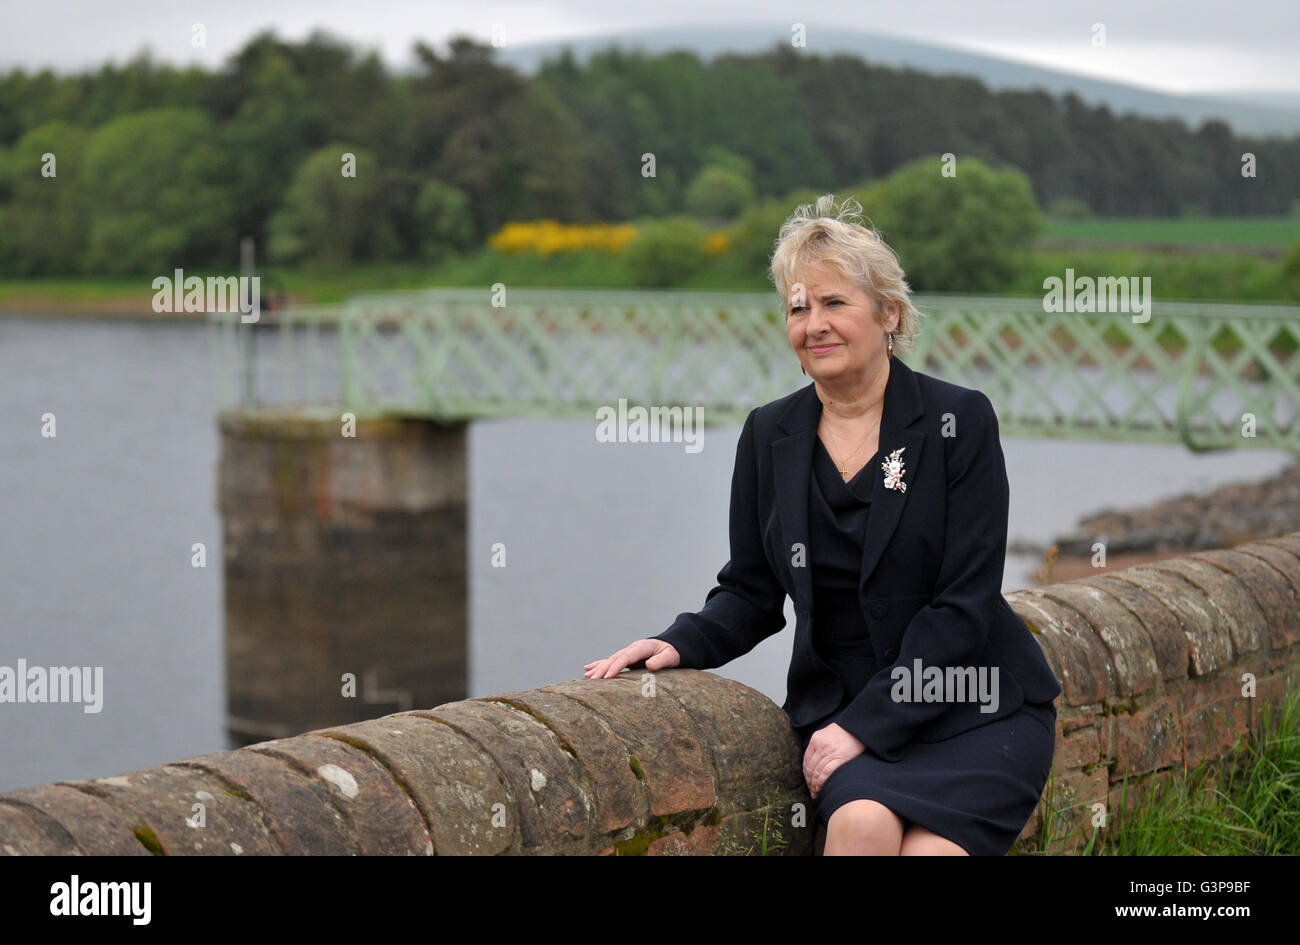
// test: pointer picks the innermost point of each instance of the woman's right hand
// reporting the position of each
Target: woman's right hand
(656, 653)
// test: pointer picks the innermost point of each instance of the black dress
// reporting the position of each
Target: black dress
(977, 788)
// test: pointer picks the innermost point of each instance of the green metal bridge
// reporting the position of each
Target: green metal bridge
(1204, 375)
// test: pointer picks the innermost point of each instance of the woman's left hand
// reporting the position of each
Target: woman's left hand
(828, 748)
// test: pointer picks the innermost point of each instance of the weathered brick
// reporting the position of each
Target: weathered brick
(1230, 599)
(1127, 642)
(1149, 738)
(298, 809)
(701, 841)
(454, 783)
(159, 802)
(1081, 748)
(96, 828)
(1168, 641)
(1277, 598)
(666, 745)
(747, 733)
(1209, 649)
(21, 835)
(1290, 542)
(1106, 738)
(545, 780)
(1074, 718)
(616, 792)
(1215, 715)
(1086, 671)
(385, 819)
(1278, 557)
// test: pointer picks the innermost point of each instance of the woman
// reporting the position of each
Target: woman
(876, 498)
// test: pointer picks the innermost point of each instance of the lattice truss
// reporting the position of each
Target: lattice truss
(1189, 373)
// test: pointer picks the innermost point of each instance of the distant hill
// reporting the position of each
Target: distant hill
(1269, 113)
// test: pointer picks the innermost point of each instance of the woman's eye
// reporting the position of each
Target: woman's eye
(799, 308)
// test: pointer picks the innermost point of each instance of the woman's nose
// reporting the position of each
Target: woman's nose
(816, 320)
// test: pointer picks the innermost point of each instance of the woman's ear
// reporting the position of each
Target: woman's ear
(893, 317)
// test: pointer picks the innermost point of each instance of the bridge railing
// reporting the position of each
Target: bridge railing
(286, 357)
(1209, 376)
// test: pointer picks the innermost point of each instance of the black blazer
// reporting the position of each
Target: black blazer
(932, 564)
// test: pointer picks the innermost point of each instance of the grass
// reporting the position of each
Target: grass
(1174, 276)
(1247, 804)
(763, 838)
(1261, 232)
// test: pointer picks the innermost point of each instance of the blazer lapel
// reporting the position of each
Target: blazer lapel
(792, 466)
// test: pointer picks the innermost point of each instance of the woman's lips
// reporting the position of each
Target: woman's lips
(822, 349)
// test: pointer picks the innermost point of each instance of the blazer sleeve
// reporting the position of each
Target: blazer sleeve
(952, 629)
(748, 603)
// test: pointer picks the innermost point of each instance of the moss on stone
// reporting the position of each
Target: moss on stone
(149, 839)
(656, 827)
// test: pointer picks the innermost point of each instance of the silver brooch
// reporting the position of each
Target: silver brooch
(893, 468)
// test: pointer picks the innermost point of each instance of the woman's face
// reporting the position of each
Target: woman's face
(835, 329)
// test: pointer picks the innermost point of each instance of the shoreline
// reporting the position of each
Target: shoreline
(124, 307)
(1224, 517)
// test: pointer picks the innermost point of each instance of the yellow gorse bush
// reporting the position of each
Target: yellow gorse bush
(550, 236)
(717, 243)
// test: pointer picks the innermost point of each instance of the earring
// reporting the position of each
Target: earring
(801, 367)
(890, 336)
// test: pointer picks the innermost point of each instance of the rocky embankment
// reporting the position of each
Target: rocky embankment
(1222, 518)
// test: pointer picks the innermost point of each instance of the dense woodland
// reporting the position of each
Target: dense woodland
(158, 166)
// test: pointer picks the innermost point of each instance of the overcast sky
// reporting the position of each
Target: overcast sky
(1193, 46)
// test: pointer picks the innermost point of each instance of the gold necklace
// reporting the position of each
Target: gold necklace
(844, 469)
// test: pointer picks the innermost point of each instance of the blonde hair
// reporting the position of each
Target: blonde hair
(823, 232)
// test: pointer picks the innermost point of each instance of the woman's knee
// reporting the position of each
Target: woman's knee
(918, 841)
(864, 826)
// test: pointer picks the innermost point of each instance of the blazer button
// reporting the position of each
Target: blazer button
(878, 610)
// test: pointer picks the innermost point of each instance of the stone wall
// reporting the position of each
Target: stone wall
(1163, 666)
(1151, 661)
(684, 762)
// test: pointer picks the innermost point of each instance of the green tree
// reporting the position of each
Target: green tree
(1291, 272)
(718, 156)
(666, 252)
(158, 194)
(42, 226)
(968, 233)
(753, 236)
(277, 124)
(445, 222)
(719, 192)
(331, 219)
(507, 143)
